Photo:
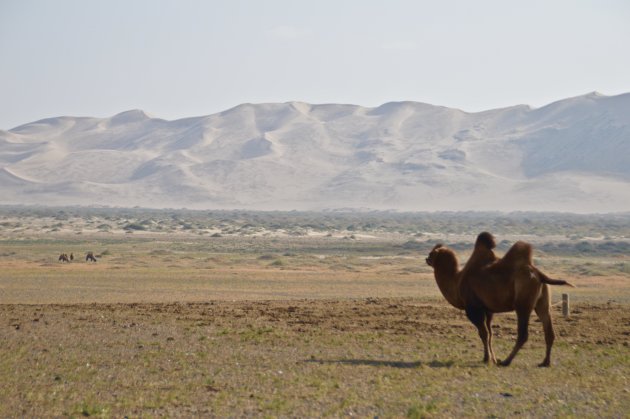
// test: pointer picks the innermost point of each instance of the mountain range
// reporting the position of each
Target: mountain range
(572, 155)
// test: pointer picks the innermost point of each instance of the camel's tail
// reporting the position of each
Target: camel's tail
(546, 280)
(556, 282)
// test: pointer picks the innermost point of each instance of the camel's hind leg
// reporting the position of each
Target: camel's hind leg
(522, 334)
(478, 317)
(544, 313)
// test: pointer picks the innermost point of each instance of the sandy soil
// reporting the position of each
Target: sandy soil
(180, 326)
(367, 357)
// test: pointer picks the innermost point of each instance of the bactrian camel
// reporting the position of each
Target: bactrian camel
(488, 285)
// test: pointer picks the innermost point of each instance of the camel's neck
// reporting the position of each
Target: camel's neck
(448, 281)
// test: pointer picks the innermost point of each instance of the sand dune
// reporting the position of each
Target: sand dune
(571, 155)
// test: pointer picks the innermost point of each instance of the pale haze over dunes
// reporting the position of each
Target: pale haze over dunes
(571, 155)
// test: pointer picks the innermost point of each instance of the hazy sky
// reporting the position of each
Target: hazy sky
(189, 58)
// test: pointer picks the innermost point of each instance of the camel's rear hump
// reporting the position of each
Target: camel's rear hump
(519, 254)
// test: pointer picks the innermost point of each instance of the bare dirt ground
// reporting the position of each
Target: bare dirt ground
(288, 327)
(388, 357)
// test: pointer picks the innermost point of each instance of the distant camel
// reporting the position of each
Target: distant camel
(489, 285)
(90, 257)
(71, 256)
(63, 258)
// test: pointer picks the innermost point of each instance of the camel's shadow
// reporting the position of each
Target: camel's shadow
(384, 363)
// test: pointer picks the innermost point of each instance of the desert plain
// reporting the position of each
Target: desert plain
(241, 314)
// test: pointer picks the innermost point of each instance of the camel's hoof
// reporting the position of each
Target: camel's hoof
(504, 363)
(545, 364)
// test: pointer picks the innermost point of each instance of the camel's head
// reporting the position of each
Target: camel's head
(433, 254)
(443, 259)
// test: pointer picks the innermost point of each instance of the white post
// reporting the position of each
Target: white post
(565, 305)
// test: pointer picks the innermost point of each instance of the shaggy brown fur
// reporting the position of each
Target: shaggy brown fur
(511, 283)
(482, 254)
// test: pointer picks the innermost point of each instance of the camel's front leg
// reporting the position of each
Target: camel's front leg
(489, 327)
(478, 317)
(522, 334)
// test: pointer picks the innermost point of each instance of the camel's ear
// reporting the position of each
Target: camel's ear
(437, 246)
